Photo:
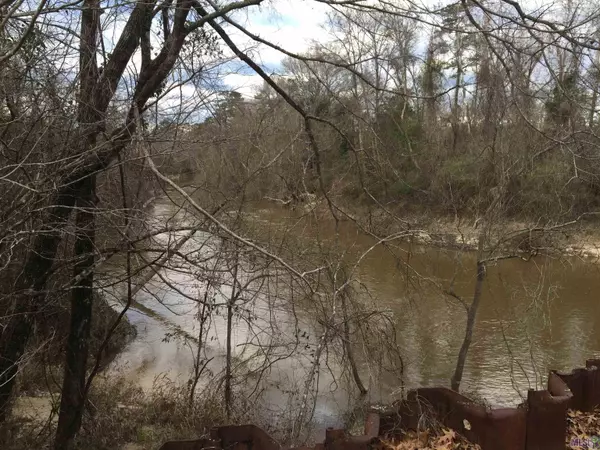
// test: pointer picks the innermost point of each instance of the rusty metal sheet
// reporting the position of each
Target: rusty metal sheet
(538, 424)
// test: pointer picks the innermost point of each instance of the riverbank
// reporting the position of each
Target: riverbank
(578, 237)
(35, 408)
(122, 416)
(40, 380)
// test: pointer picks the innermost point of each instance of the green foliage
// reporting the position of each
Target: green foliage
(457, 182)
(227, 107)
(550, 189)
(460, 170)
(398, 125)
(407, 187)
(560, 106)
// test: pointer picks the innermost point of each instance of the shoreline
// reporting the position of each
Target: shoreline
(576, 239)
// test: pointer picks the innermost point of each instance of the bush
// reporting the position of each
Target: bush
(119, 413)
(48, 344)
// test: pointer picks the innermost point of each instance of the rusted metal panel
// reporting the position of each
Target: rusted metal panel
(495, 429)
(593, 384)
(250, 435)
(576, 381)
(197, 444)
(372, 425)
(584, 384)
(401, 416)
(539, 424)
(546, 420)
(340, 440)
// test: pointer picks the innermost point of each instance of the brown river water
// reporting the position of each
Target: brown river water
(535, 315)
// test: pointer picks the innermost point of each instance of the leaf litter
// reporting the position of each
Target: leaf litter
(583, 429)
(444, 439)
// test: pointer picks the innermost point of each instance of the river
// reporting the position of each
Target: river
(535, 315)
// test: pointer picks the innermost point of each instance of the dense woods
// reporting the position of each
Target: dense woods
(444, 118)
(483, 114)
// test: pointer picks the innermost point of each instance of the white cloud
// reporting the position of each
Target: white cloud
(244, 84)
(290, 24)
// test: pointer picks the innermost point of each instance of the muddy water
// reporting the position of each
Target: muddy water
(263, 334)
(534, 315)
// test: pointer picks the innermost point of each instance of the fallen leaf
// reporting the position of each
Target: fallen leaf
(467, 425)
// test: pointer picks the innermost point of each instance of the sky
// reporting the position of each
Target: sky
(291, 24)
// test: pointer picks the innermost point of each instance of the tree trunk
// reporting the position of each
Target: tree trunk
(73, 391)
(471, 316)
(29, 298)
(96, 92)
(74, 382)
(594, 100)
(229, 328)
(455, 107)
(348, 348)
(198, 366)
(429, 110)
(16, 333)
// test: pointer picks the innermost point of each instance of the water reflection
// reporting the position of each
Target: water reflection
(534, 316)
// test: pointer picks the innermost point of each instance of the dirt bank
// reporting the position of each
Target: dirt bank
(43, 373)
(579, 237)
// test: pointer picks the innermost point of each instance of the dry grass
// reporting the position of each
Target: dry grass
(119, 413)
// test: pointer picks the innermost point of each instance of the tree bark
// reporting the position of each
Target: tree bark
(594, 100)
(73, 391)
(471, 316)
(430, 115)
(75, 368)
(29, 298)
(230, 304)
(456, 119)
(348, 348)
(16, 335)
(593, 103)
(96, 91)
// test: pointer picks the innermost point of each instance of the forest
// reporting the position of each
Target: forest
(204, 223)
